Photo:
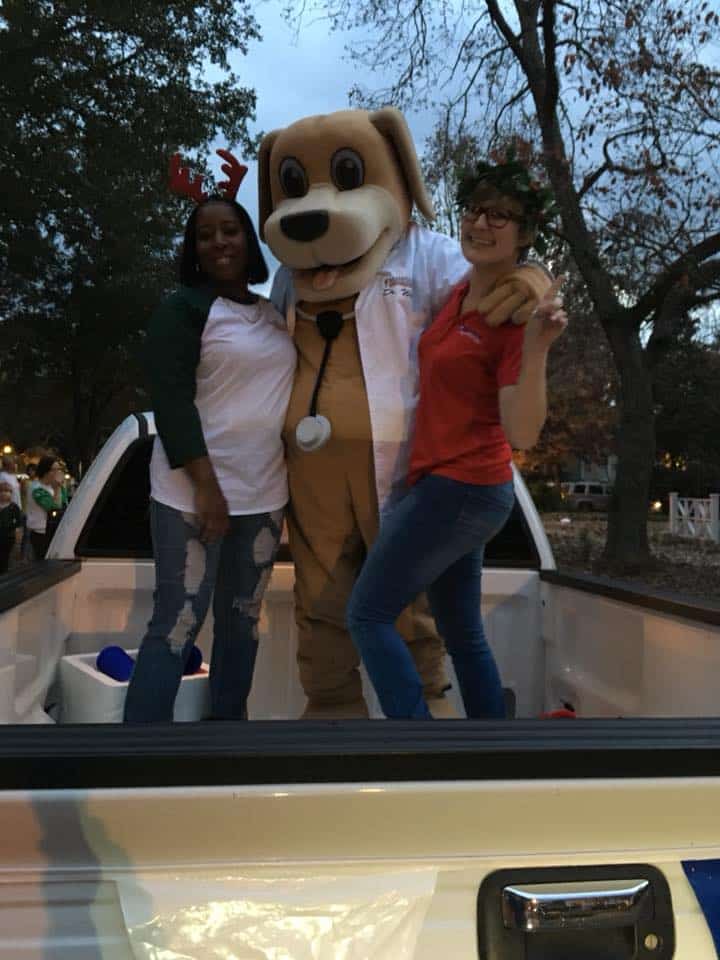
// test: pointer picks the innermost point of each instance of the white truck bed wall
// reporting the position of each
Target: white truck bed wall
(557, 638)
(32, 639)
(624, 654)
(556, 642)
(109, 601)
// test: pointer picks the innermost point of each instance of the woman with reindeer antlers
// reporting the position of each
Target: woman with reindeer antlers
(220, 365)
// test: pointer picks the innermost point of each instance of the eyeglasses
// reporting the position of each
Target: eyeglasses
(495, 217)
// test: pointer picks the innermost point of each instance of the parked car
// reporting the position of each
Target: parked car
(586, 495)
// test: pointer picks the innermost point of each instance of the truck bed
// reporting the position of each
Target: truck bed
(99, 602)
(387, 840)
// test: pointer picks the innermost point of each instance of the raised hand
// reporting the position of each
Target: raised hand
(515, 295)
(547, 321)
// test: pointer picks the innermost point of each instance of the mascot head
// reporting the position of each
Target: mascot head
(336, 192)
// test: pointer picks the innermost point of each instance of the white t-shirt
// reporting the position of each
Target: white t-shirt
(12, 479)
(243, 383)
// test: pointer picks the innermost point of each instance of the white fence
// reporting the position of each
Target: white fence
(693, 517)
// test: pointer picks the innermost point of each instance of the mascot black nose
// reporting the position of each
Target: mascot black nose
(305, 226)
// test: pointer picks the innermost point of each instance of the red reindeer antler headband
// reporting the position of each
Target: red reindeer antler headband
(181, 183)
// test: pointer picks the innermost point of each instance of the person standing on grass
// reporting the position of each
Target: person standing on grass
(47, 497)
(26, 488)
(8, 474)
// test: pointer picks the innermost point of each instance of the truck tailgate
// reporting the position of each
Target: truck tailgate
(412, 818)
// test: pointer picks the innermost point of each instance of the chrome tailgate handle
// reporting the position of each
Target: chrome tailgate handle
(539, 907)
(604, 911)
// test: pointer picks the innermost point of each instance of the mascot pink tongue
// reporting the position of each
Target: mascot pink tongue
(340, 189)
(324, 279)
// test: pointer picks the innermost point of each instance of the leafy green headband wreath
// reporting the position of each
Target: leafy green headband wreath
(511, 177)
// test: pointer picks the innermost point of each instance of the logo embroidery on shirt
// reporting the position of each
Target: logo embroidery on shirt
(396, 286)
(469, 332)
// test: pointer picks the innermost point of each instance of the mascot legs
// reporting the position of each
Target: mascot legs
(325, 571)
(330, 523)
(417, 626)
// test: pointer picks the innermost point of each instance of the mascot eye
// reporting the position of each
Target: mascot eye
(347, 169)
(293, 178)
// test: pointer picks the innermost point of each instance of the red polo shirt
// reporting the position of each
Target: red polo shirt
(463, 363)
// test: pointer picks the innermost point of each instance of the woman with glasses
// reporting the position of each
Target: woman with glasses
(482, 392)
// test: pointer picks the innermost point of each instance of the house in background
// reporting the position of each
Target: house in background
(577, 468)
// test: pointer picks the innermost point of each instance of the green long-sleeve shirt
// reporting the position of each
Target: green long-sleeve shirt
(172, 353)
(46, 500)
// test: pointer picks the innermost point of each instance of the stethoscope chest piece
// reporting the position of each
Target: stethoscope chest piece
(312, 433)
(314, 430)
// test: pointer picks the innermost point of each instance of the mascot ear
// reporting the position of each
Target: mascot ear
(392, 124)
(265, 205)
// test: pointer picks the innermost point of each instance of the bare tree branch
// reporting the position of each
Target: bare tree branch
(709, 274)
(508, 105)
(469, 85)
(592, 178)
(503, 27)
(552, 85)
(683, 266)
(463, 47)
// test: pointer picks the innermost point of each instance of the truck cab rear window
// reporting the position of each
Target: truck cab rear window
(119, 525)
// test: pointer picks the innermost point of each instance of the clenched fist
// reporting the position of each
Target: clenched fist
(515, 296)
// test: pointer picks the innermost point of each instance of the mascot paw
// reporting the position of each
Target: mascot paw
(441, 708)
(355, 710)
(515, 295)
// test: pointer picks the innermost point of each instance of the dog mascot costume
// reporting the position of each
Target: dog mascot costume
(336, 196)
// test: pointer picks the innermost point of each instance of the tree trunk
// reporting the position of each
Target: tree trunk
(85, 427)
(627, 549)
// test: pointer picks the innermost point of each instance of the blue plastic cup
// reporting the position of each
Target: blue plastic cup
(194, 661)
(115, 662)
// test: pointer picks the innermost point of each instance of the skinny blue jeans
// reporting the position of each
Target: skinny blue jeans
(432, 541)
(186, 572)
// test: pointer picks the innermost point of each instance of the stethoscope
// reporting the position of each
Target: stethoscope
(314, 430)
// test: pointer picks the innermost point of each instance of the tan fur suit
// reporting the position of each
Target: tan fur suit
(336, 195)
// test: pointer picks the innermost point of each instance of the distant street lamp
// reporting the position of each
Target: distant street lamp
(7, 448)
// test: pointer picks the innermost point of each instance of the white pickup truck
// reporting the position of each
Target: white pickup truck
(530, 839)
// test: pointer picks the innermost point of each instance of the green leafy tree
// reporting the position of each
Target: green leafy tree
(94, 98)
(687, 404)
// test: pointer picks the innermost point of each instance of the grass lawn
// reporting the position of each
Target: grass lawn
(685, 566)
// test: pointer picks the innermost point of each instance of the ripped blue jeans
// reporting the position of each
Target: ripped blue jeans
(186, 571)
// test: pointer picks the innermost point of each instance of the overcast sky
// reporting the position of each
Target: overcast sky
(297, 76)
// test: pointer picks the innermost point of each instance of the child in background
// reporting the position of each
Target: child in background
(11, 525)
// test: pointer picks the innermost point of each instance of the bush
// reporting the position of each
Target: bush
(697, 480)
(547, 498)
